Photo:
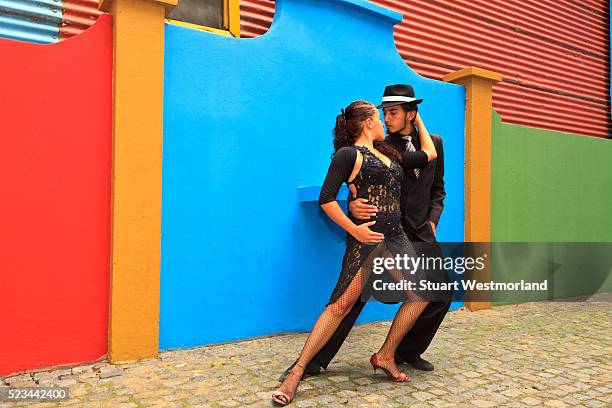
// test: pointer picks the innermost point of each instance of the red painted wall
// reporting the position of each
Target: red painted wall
(55, 174)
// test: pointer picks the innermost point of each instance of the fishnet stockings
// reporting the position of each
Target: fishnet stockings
(404, 319)
(330, 319)
(323, 329)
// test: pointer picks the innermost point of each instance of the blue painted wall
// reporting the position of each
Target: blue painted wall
(248, 121)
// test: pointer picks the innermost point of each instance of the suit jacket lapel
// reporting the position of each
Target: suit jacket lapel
(417, 146)
(411, 175)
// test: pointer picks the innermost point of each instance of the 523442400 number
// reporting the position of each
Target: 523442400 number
(34, 394)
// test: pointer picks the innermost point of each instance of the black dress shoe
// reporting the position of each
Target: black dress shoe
(421, 364)
(313, 369)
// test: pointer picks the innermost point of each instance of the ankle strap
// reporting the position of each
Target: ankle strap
(292, 371)
(381, 358)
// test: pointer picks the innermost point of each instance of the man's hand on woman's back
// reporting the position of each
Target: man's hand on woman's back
(361, 210)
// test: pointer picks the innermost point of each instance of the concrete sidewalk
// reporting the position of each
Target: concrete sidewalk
(536, 354)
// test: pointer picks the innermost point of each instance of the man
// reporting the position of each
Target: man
(422, 202)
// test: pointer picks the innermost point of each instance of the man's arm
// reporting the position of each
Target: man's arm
(437, 195)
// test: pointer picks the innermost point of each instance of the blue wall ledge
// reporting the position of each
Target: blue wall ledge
(310, 194)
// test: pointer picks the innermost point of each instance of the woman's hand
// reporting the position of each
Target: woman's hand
(363, 234)
(418, 120)
(427, 144)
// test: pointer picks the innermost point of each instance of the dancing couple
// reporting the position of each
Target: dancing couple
(376, 173)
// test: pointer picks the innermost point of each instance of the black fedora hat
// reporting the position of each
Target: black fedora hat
(398, 94)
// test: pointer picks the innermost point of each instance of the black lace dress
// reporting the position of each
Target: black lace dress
(381, 186)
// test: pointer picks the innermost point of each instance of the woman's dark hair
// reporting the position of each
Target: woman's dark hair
(349, 124)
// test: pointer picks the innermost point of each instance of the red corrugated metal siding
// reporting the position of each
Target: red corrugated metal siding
(553, 54)
(255, 17)
(78, 16)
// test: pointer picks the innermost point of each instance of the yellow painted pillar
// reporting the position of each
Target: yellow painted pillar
(231, 17)
(478, 85)
(138, 31)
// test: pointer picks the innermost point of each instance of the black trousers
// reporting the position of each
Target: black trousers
(412, 345)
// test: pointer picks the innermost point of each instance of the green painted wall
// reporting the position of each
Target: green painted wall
(551, 187)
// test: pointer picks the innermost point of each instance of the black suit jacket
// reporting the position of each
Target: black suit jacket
(423, 197)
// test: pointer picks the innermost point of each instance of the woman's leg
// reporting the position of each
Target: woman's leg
(405, 318)
(323, 329)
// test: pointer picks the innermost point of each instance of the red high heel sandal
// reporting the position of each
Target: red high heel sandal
(374, 361)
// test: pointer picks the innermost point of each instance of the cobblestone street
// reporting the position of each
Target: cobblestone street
(536, 354)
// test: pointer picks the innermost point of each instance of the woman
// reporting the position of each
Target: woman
(365, 163)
